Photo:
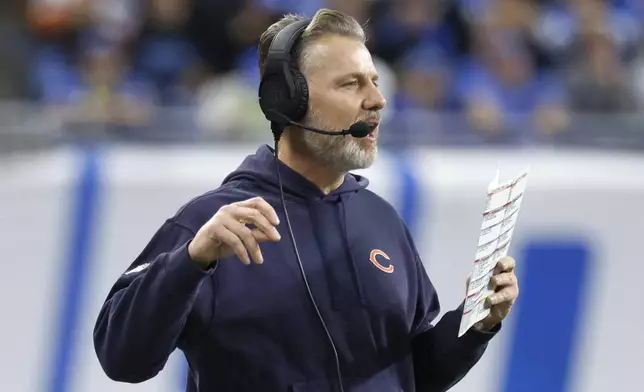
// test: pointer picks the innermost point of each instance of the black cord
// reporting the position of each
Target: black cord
(306, 282)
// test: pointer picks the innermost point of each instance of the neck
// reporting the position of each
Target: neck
(297, 159)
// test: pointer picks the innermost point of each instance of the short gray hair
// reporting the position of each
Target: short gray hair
(325, 22)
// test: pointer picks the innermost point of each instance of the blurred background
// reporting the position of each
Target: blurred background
(114, 113)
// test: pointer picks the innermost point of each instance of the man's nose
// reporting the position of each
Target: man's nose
(374, 100)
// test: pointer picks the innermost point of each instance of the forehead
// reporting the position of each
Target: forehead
(336, 56)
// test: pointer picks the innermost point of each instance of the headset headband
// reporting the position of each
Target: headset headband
(281, 48)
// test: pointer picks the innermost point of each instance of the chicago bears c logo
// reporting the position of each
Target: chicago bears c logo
(372, 257)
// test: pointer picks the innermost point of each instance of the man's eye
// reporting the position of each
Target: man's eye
(351, 83)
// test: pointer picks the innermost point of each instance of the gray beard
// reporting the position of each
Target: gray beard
(338, 153)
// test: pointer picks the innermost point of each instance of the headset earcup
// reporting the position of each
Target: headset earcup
(272, 95)
(300, 103)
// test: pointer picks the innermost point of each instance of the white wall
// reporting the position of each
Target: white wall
(594, 199)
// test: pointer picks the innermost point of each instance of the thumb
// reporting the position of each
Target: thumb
(467, 283)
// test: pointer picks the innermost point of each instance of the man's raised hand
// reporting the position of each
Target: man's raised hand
(227, 233)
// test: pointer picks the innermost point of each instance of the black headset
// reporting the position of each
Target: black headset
(283, 90)
(284, 98)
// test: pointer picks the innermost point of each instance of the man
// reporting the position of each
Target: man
(252, 325)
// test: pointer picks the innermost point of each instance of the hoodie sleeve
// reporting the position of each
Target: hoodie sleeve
(141, 322)
(441, 358)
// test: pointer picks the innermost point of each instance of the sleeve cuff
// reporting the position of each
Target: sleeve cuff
(183, 269)
(476, 337)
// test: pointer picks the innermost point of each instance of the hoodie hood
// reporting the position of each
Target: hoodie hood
(259, 169)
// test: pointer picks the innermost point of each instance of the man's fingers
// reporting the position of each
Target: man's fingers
(508, 294)
(231, 240)
(255, 217)
(245, 244)
(262, 206)
(247, 238)
(504, 279)
(259, 235)
(506, 264)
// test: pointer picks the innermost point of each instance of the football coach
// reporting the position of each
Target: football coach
(291, 275)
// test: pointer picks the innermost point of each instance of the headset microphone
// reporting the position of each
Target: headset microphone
(359, 129)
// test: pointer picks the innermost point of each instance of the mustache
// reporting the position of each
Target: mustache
(371, 119)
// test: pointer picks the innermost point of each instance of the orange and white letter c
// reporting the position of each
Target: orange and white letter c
(372, 257)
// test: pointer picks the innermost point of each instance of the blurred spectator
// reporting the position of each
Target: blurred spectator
(223, 31)
(591, 41)
(165, 57)
(501, 86)
(562, 23)
(637, 77)
(426, 81)
(597, 80)
(397, 26)
(227, 108)
(83, 67)
(55, 25)
(14, 51)
(109, 91)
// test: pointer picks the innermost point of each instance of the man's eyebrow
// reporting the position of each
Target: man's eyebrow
(360, 75)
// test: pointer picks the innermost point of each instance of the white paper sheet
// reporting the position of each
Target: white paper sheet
(499, 219)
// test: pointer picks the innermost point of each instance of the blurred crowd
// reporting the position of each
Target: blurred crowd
(496, 67)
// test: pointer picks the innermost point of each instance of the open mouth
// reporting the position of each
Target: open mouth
(374, 127)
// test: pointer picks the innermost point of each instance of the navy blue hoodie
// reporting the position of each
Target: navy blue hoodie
(253, 328)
